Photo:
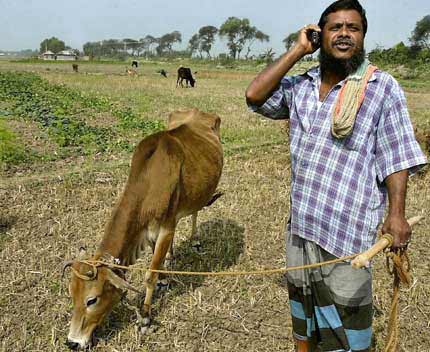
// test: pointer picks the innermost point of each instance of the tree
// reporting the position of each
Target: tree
(252, 35)
(290, 40)
(238, 32)
(421, 33)
(166, 42)
(147, 43)
(194, 44)
(131, 44)
(207, 38)
(267, 56)
(53, 44)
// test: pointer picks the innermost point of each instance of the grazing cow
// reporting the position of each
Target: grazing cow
(75, 67)
(131, 72)
(174, 173)
(185, 73)
(162, 72)
(134, 63)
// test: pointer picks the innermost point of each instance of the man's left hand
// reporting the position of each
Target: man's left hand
(399, 228)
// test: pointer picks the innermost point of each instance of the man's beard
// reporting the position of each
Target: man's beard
(341, 67)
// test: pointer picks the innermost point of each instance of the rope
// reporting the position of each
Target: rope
(96, 263)
(401, 275)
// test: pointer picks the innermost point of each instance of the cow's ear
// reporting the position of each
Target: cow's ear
(119, 282)
(216, 126)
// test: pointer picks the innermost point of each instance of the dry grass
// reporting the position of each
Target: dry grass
(46, 214)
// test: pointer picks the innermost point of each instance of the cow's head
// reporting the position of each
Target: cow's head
(94, 291)
(192, 81)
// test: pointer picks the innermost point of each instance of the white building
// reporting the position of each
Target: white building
(48, 55)
(66, 55)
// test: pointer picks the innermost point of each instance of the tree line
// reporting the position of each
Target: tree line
(239, 33)
(240, 36)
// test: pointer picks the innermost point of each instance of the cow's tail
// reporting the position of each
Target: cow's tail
(159, 179)
(214, 198)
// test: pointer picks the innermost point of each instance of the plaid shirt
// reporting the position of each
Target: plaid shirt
(338, 195)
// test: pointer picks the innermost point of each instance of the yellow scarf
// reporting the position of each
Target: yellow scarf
(349, 100)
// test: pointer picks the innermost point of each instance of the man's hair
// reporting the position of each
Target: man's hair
(344, 5)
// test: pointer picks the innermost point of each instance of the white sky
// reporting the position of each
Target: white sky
(25, 23)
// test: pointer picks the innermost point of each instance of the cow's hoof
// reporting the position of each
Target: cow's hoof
(162, 285)
(147, 326)
(144, 325)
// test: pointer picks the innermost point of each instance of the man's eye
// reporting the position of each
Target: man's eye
(91, 301)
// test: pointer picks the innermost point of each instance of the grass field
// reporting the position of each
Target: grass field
(65, 145)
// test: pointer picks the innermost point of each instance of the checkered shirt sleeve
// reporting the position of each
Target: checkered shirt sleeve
(396, 146)
(277, 106)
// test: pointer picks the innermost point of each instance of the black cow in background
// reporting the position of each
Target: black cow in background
(185, 73)
(134, 63)
(162, 72)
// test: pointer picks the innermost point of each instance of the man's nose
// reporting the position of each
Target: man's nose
(72, 345)
(343, 31)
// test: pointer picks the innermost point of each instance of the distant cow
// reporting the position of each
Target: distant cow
(185, 73)
(162, 72)
(75, 67)
(134, 63)
(131, 72)
(174, 173)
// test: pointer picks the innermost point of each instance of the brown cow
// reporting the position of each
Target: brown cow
(131, 72)
(173, 174)
(75, 67)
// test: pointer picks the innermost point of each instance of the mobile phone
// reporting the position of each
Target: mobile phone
(314, 37)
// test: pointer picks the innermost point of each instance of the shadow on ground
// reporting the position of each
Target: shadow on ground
(6, 224)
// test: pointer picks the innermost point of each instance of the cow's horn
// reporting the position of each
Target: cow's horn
(65, 266)
(120, 283)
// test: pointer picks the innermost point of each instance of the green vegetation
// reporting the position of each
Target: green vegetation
(11, 151)
(60, 110)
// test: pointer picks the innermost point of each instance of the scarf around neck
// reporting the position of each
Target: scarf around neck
(349, 100)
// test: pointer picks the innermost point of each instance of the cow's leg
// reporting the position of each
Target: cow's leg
(195, 243)
(161, 247)
(194, 225)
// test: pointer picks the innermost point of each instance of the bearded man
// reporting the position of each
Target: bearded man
(352, 146)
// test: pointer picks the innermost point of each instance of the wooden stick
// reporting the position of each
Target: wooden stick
(363, 260)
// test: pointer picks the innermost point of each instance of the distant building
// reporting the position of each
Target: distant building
(66, 55)
(48, 55)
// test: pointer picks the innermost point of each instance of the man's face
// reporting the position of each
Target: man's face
(343, 34)
(342, 50)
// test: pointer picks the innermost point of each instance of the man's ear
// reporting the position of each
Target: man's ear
(119, 283)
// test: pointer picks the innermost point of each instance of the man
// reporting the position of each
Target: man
(352, 145)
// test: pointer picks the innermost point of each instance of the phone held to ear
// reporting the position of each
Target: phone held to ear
(314, 37)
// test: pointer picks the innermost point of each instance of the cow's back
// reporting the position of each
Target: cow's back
(201, 167)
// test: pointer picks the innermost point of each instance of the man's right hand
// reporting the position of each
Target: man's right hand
(268, 80)
(303, 44)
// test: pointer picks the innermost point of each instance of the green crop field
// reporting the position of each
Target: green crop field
(66, 141)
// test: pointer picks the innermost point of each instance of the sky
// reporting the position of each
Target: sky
(26, 23)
